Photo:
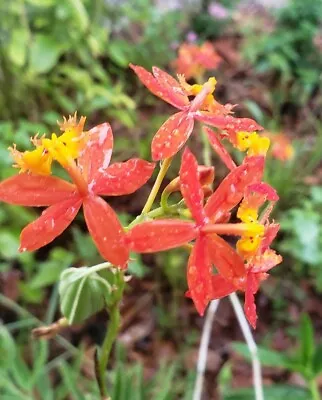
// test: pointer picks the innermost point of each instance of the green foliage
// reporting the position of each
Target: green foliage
(52, 57)
(305, 360)
(289, 50)
(86, 290)
(303, 236)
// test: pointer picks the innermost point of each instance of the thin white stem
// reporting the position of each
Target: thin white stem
(257, 374)
(203, 349)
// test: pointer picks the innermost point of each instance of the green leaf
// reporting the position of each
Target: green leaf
(7, 348)
(317, 360)
(82, 293)
(276, 392)
(18, 45)
(9, 244)
(307, 340)
(41, 3)
(44, 53)
(119, 52)
(269, 358)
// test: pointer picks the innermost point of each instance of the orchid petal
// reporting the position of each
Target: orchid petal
(162, 88)
(220, 287)
(199, 275)
(269, 235)
(35, 190)
(159, 235)
(266, 261)
(227, 262)
(264, 189)
(124, 178)
(52, 222)
(96, 155)
(228, 123)
(171, 136)
(172, 86)
(106, 230)
(191, 188)
(231, 190)
(250, 306)
(219, 148)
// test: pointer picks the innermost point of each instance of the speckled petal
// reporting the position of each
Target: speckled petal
(106, 231)
(52, 222)
(231, 190)
(228, 123)
(199, 275)
(220, 287)
(250, 306)
(219, 148)
(35, 190)
(159, 235)
(191, 188)
(161, 87)
(171, 136)
(124, 177)
(175, 92)
(225, 259)
(96, 155)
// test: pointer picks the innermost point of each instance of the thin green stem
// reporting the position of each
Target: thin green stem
(206, 148)
(111, 334)
(156, 187)
(314, 389)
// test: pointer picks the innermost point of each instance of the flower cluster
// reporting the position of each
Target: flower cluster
(194, 60)
(201, 221)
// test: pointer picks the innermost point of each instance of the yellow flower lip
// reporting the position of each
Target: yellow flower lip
(251, 141)
(64, 148)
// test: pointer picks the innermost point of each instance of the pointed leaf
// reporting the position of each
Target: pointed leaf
(227, 262)
(307, 340)
(52, 222)
(106, 230)
(96, 155)
(191, 188)
(124, 178)
(219, 148)
(171, 136)
(35, 190)
(199, 275)
(159, 235)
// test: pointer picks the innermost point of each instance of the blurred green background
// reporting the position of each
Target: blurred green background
(57, 57)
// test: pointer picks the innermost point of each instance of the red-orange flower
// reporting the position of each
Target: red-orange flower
(194, 60)
(209, 222)
(174, 133)
(256, 264)
(92, 177)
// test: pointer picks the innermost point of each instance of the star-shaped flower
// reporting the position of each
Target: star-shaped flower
(174, 133)
(86, 157)
(209, 221)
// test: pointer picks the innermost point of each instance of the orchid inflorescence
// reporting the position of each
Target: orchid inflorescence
(200, 222)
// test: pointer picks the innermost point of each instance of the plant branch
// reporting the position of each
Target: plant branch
(153, 194)
(257, 373)
(111, 334)
(203, 349)
(314, 390)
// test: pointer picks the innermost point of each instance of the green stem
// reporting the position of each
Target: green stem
(314, 390)
(111, 334)
(153, 194)
(206, 148)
